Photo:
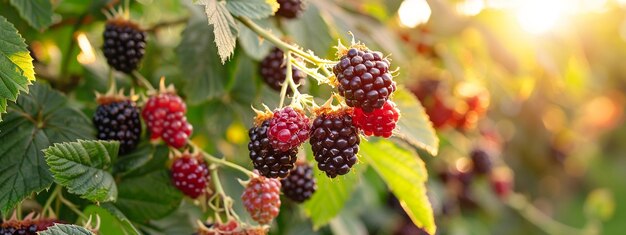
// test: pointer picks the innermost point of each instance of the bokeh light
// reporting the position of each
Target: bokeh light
(539, 16)
(414, 12)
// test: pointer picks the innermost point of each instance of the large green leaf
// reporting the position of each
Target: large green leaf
(253, 9)
(414, 126)
(145, 159)
(16, 65)
(331, 194)
(200, 61)
(109, 223)
(224, 27)
(83, 167)
(33, 123)
(65, 229)
(38, 13)
(148, 197)
(405, 174)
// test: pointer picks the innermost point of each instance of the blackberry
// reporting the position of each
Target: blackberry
(335, 143)
(364, 79)
(190, 175)
(381, 122)
(261, 198)
(274, 71)
(481, 160)
(290, 8)
(300, 185)
(269, 162)
(119, 121)
(124, 44)
(288, 129)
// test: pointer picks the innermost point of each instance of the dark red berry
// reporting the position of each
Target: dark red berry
(288, 129)
(274, 71)
(501, 181)
(190, 174)
(165, 116)
(364, 79)
(124, 44)
(380, 123)
(261, 198)
(119, 121)
(481, 161)
(300, 185)
(268, 161)
(290, 8)
(335, 143)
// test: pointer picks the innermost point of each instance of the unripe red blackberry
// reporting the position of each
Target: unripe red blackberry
(124, 44)
(288, 129)
(290, 8)
(261, 198)
(274, 71)
(380, 123)
(190, 174)
(117, 118)
(364, 79)
(481, 161)
(300, 185)
(164, 114)
(335, 142)
(268, 161)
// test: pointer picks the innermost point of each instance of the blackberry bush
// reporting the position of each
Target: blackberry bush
(124, 44)
(364, 79)
(335, 142)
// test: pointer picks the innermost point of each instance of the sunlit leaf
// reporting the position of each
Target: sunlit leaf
(414, 125)
(15, 63)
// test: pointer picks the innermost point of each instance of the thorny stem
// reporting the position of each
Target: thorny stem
(541, 220)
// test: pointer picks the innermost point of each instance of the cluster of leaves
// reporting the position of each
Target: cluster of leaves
(45, 140)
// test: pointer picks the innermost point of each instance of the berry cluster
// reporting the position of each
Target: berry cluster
(274, 71)
(26, 227)
(364, 79)
(444, 109)
(124, 44)
(165, 115)
(190, 174)
(261, 198)
(268, 161)
(118, 119)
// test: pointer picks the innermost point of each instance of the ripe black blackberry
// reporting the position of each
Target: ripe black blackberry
(124, 44)
(300, 185)
(290, 8)
(364, 79)
(481, 161)
(269, 162)
(274, 71)
(118, 119)
(335, 142)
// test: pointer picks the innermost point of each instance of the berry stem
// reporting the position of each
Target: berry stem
(215, 177)
(289, 76)
(281, 44)
(539, 219)
(48, 203)
(220, 161)
(142, 80)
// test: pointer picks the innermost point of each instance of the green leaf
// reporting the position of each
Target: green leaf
(82, 168)
(414, 126)
(33, 123)
(253, 9)
(148, 197)
(224, 27)
(199, 59)
(311, 31)
(128, 225)
(405, 174)
(38, 13)
(331, 194)
(16, 65)
(253, 45)
(65, 229)
(145, 159)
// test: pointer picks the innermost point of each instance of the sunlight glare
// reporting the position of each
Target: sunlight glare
(470, 7)
(539, 16)
(87, 54)
(414, 12)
